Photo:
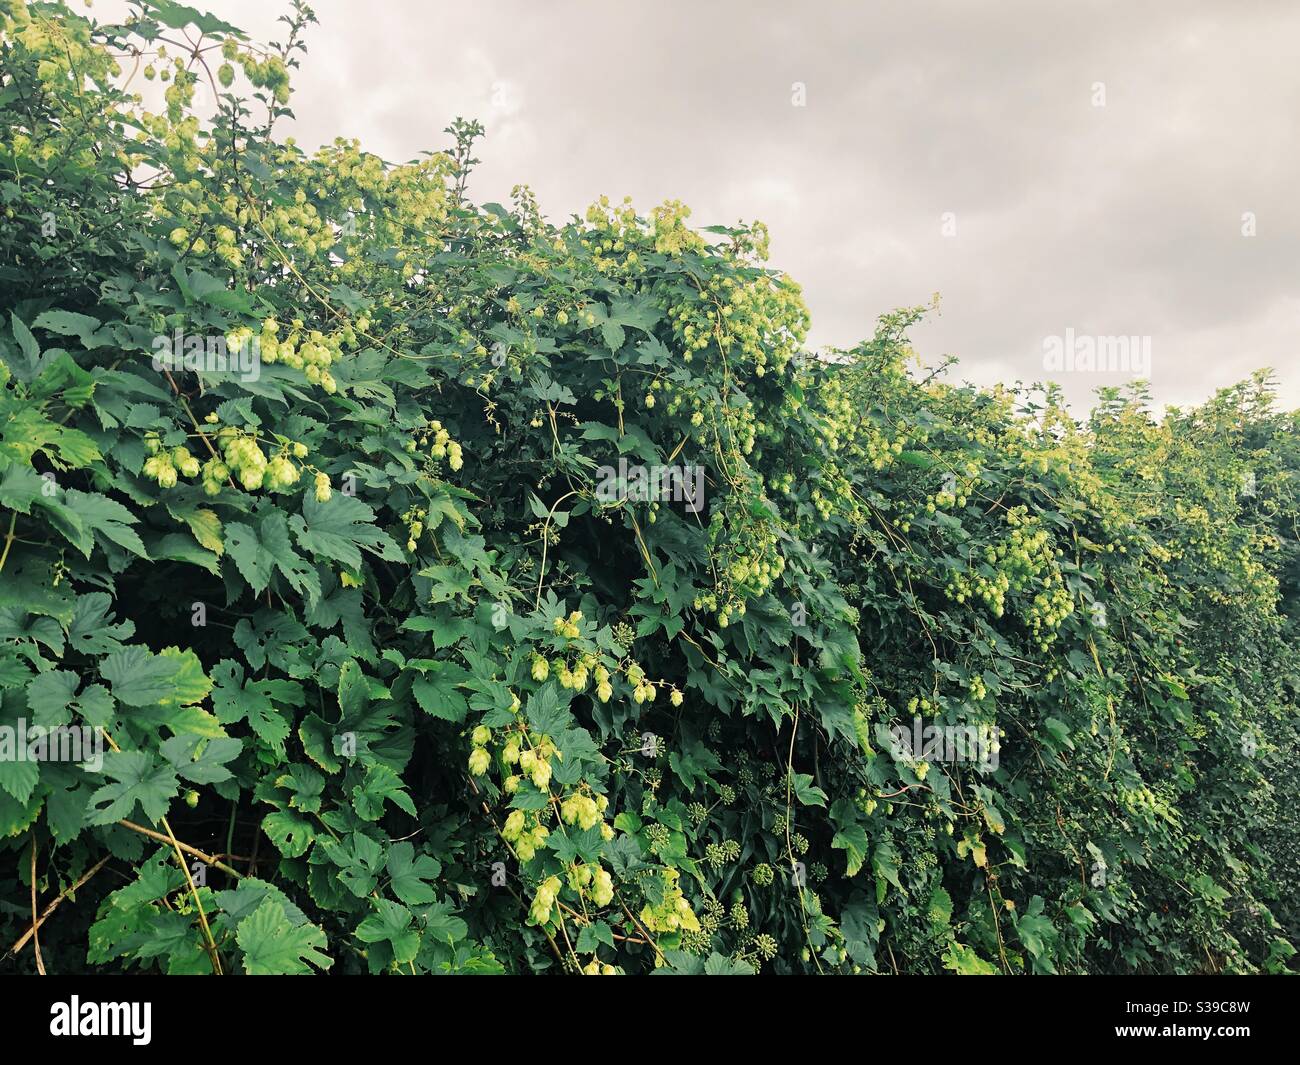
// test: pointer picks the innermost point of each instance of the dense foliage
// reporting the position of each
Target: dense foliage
(398, 669)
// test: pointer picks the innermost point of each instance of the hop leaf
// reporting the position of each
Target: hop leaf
(139, 779)
(273, 946)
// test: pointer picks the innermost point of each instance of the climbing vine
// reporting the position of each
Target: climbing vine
(395, 583)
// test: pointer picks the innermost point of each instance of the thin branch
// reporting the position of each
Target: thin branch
(207, 859)
(36, 922)
(54, 905)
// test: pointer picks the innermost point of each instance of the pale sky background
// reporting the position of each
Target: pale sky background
(1114, 220)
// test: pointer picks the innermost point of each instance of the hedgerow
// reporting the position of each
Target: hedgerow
(334, 507)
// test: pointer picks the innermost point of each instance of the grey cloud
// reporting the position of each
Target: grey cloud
(1117, 220)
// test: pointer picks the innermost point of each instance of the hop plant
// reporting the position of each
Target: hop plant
(514, 825)
(658, 836)
(602, 892)
(852, 484)
(185, 462)
(544, 900)
(581, 809)
(673, 912)
(161, 469)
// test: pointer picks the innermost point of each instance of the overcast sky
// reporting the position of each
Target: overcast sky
(1097, 160)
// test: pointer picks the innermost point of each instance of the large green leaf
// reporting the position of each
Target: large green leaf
(273, 946)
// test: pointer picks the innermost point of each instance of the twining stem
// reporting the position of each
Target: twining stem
(789, 841)
(555, 947)
(36, 923)
(1110, 706)
(997, 926)
(230, 828)
(546, 528)
(9, 538)
(210, 944)
(206, 859)
(54, 905)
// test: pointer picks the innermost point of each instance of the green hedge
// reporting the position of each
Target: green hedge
(434, 588)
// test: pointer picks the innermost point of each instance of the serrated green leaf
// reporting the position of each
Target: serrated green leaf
(409, 873)
(139, 780)
(273, 946)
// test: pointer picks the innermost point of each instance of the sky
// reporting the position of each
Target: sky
(1060, 173)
